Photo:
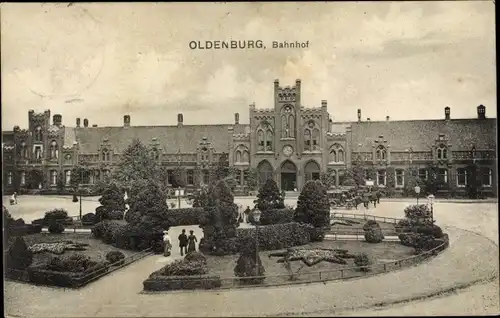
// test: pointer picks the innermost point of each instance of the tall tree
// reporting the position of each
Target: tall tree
(357, 173)
(252, 181)
(135, 164)
(328, 178)
(221, 170)
(313, 208)
(79, 175)
(221, 216)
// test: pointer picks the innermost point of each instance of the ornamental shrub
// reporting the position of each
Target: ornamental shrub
(418, 214)
(112, 199)
(56, 227)
(55, 214)
(313, 207)
(89, 219)
(270, 197)
(18, 256)
(195, 257)
(276, 216)
(115, 258)
(363, 262)
(374, 235)
(370, 224)
(115, 215)
(183, 268)
(247, 266)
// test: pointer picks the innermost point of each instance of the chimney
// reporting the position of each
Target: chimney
(85, 123)
(236, 118)
(94, 126)
(57, 120)
(78, 122)
(126, 121)
(180, 120)
(387, 118)
(330, 124)
(481, 112)
(324, 104)
(447, 113)
(368, 119)
(359, 115)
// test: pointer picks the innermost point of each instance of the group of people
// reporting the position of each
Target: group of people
(187, 244)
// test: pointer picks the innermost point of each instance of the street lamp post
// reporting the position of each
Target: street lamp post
(417, 191)
(256, 217)
(430, 200)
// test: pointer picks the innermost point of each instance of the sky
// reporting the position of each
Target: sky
(406, 60)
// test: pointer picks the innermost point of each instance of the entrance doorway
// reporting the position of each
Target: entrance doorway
(288, 176)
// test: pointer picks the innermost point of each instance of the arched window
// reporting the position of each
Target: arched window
(442, 152)
(24, 150)
(54, 151)
(245, 157)
(260, 138)
(311, 171)
(269, 140)
(238, 156)
(307, 139)
(337, 153)
(315, 139)
(341, 155)
(265, 172)
(381, 153)
(105, 154)
(288, 122)
(38, 133)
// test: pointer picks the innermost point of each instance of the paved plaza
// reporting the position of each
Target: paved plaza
(472, 256)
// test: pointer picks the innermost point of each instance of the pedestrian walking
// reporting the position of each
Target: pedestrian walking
(183, 242)
(168, 244)
(191, 242)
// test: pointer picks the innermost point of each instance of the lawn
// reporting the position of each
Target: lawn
(380, 253)
(96, 250)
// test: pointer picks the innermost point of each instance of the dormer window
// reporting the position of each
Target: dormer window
(381, 153)
(442, 152)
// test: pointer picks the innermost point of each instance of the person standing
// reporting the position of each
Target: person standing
(191, 242)
(247, 213)
(183, 242)
(168, 244)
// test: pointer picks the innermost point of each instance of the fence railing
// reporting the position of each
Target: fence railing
(318, 276)
(84, 279)
(336, 274)
(366, 217)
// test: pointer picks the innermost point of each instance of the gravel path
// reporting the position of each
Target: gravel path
(470, 257)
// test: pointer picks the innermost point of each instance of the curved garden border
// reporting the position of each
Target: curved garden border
(324, 276)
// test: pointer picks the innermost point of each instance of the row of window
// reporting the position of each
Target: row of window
(485, 175)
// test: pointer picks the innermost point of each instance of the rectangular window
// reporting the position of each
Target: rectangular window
(38, 152)
(9, 177)
(53, 177)
(400, 178)
(422, 174)
(442, 175)
(68, 177)
(23, 177)
(190, 177)
(206, 177)
(486, 177)
(245, 177)
(381, 178)
(170, 176)
(461, 177)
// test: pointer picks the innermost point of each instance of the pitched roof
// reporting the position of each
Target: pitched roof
(420, 135)
(170, 138)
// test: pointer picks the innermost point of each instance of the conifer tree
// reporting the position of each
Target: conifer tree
(270, 197)
(313, 207)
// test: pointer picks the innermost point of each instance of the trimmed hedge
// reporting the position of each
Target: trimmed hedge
(277, 216)
(56, 228)
(185, 216)
(115, 258)
(373, 232)
(164, 283)
(89, 219)
(127, 236)
(279, 236)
